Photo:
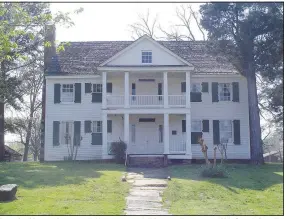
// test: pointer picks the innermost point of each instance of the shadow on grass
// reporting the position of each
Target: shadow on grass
(35, 174)
(242, 176)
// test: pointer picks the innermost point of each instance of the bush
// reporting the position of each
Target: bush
(118, 149)
(214, 172)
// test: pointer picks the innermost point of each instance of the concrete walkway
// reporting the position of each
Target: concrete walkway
(145, 194)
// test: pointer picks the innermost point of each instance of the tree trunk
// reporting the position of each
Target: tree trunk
(35, 156)
(254, 119)
(2, 141)
(29, 132)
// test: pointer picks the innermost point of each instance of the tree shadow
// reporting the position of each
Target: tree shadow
(241, 176)
(34, 174)
(154, 173)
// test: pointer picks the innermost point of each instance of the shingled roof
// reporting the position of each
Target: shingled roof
(85, 57)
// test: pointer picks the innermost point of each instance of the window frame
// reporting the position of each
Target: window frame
(199, 121)
(220, 89)
(72, 94)
(98, 88)
(146, 57)
(63, 128)
(95, 128)
(195, 85)
(230, 140)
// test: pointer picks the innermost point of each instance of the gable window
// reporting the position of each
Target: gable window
(224, 91)
(97, 88)
(67, 94)
(225, 128)
(146, 57)
(66, 132)
(97, 127)
(196, 87)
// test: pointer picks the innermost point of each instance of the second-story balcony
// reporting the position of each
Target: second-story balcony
(147, 101)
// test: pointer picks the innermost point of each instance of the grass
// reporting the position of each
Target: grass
(248, 190)
(62, 188)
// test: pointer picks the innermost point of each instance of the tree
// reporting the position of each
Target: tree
(237, 30)
(21, 40)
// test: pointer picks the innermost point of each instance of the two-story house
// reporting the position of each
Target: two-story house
(157, 96)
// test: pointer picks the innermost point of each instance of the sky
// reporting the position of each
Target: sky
(110, 21)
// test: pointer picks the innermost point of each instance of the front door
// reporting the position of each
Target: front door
(148, 138)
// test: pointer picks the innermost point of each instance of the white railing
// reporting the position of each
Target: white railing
(146, 149)
(146, 100)
(177, 100)
(115, 100)
(177, 147)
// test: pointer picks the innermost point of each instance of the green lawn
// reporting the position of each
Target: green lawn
(249, 190)
(61, 188)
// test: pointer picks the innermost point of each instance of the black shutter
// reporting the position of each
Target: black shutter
(205, 87)
(56, 133)
(183, 125)
(216, 137)
(109, 126)
(195, 137)
(96, 97)
(77, 93)
(109, 87)
(77, 135)
(236, 131)
(57, 93)
(206, 127)
(87, 126)
(160, 91)
(196, 97)
(235, 90)
(87, 87)
(183, 87)
(214, 92)
(96, 138)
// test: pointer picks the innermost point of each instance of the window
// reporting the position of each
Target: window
(225, 128)
(67, 93)
(146, 57)
(196, 125)
(97, 127)
(161, 139)
(97, 88)
(66, 132)
(146, 119)
(196, 87)
(224, 92)
(133, 133)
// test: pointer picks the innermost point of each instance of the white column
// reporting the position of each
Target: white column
(126, 129)
(188, 134)
(126, 90)
(166, 133)
(188, 89)
(104, 134)
(103, 90)
(166, 93)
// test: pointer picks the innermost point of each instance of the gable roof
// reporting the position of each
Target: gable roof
(85, 57)
(136, 42)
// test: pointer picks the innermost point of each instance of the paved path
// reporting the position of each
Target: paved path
(145, 196)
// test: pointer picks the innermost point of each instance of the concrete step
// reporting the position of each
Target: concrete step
(142, 193)
(143, 204)
(146, 212)
(150, 183)
(144, 198)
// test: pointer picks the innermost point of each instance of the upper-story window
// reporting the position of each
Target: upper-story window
(67, 94)
(224, 91)
(146, 56)
(196, 87)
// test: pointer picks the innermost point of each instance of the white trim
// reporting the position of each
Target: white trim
(78, 76)
(148, 111)
(137, 42)
(140, 69)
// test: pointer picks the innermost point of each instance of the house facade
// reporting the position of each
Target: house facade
(157, 96)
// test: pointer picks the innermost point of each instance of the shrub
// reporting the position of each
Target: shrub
(214, 172)
(118, 149)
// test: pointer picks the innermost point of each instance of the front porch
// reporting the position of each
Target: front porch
(153, 134)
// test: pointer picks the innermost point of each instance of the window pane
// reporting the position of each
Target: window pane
(196, 126)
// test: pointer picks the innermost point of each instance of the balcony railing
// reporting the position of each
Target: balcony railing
(146, 101)
(177, 147)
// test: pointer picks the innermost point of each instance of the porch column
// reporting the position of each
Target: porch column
(126, 130)
(188, 134)
(104, 134)
(166, 93)
(126, 90)
(103, 90)
(166, 133)
(188, 89)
